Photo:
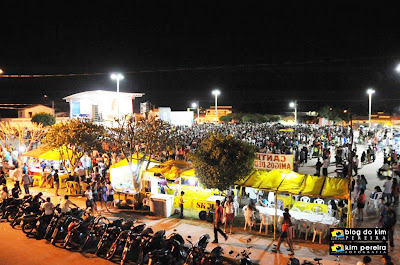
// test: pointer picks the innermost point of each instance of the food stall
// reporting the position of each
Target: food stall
(181, 176)
(292, 183)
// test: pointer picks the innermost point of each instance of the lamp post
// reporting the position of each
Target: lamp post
(370, 91)
(117, 77)
(216, 93)
(294, 105)
(195, 105)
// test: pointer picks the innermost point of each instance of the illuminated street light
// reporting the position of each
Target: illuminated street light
(195, 105)
(117, 76)
(294, 105)
(1, 72)
(370, 91)
(398, 68)
(216, 93)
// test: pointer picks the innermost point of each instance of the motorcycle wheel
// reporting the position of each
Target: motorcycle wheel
(54, 236)
(111, 251)
(86, 242)
(27, 228)
(11, 216)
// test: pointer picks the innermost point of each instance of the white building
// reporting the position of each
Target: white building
(101, 105)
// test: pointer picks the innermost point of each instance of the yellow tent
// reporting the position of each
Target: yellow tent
(173, 169)
(55, 154)
(36, 152)
(286, 130)
(124, 162)
(287, 181)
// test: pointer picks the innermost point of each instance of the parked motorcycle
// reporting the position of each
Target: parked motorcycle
(95, 233)
(173, 252)
(77, 231)
(120, 241)
(197, 251)
(244, 256)
(61, 228)
(112, 230)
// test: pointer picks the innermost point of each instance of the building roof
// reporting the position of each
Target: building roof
(32, 106)
(102, 94)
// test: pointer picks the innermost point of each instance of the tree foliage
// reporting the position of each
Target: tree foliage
(226, 118)
(73, 138)
(221, 160)
(26, 133)
(147, 137)
(44, 118)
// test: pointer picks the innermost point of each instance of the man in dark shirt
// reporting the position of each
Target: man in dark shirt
(16, 191)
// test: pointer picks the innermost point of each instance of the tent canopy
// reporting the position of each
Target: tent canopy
(291, 182)
(36, 152)
(135, 160)
(56, 155)
(173, 169)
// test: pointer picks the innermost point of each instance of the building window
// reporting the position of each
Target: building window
(30, 114)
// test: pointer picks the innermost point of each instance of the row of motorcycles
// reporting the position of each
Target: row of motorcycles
(120, 240)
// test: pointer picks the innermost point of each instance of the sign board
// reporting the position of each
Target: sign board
(273, 161)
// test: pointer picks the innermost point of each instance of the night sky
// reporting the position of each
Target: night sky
(260, 57)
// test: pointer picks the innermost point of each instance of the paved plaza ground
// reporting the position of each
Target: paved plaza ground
(15, 248)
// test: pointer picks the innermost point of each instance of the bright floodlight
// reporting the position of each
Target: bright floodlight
(292, 105)
(398, 68)
(117, 76)
(216, 92)
(370, 91)
(1, 71)
(194, 105)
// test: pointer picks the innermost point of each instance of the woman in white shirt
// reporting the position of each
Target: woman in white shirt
(229, 214)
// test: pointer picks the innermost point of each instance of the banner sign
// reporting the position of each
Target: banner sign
(273, 161)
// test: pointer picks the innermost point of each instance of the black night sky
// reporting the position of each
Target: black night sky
(260, 57)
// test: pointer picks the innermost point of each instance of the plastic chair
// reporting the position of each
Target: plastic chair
(305, 199)
(305, 226)
(295, 209)
(321, 213)
(236, 207)
(319, 201)
(316, 209)
(308, 211)
(319, 230)
(264, 222)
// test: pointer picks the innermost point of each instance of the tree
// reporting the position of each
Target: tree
(226, 119)
(73, 138)
(249, 118)
(273, 118)
(132, 136)
(26, 133)
(44, 118)
(222, 160)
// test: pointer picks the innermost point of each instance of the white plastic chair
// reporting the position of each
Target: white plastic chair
(236, 207)
(294, 209)
(305, 199)
(319, 201)
(308, 211)
(319, 230)
(264, 222)
(316, 209)
(321, 213)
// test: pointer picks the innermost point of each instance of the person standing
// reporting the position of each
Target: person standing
(181, 202)
(325, 165)
(56, 180)
(17, 175)
(229, 214)
(356, 162)
(318, 166)
(387, 191)
(26, 181)
(389, 220)
(361, 204)
(363, 183)
(395, 192)
(89, 198)
(110, 194)
(218, 221)
(287, 222)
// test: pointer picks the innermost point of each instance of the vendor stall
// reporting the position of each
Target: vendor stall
(292, 183)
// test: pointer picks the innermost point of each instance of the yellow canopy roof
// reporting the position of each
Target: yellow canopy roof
(124, 162)
(172, 169)
(291, 182)
(286, 130)
(56, 155)
(36, 152)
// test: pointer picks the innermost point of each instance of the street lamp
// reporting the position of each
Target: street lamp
(216, 93)
(370, 91)
(195, 105)
(398, 68)
(1, 71)
(294, 105)
(117, 76)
